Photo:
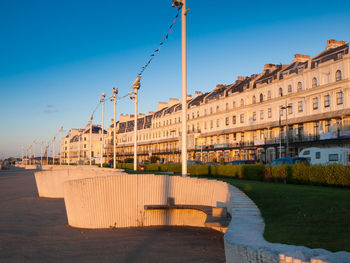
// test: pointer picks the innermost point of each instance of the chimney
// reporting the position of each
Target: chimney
(173, 101)
(197, 93)
(300, 58)
(269, 67)
(240, 78)
(162, 105)
(150, 113)
(333, 43)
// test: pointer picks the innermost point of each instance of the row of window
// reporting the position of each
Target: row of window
(242, 102)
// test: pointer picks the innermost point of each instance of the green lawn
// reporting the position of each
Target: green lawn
(312, 216)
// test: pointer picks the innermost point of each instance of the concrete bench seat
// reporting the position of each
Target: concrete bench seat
(217, 217)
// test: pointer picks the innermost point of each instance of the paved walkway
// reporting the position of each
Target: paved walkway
(35, 229)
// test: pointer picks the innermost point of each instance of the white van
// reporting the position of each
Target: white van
(326, 155)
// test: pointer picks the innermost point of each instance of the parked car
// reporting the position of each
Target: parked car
(240, 162)
(193, 162)
(290, 161)
(211, 163)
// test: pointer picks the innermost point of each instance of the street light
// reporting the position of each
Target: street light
(90, 144)
(102, 99)
(286, 136)
(135, 85)
(22, 148)
(34, 143)
(182, 4)
(47, 153)
(41, 156)
(53, 150)
(30, 154)
(114, 99)
(61, 130)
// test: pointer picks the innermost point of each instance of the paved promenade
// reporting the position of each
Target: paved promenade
(35, 229)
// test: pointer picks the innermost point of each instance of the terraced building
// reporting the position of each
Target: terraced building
(249, 118)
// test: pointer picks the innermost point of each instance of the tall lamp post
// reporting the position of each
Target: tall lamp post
(47, 153)
(34, 144)
(90, 143)
(114, 99)
(53, 150)
(182, 4)
(102, 99)
(61, 130)
(136, 85)
(22, 148)
(69, 132)
(286, 136)
(41, 155)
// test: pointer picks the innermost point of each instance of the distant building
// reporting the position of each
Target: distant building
(75, 146)
(247, 119)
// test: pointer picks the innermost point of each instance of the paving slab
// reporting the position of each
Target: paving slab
(34, 229)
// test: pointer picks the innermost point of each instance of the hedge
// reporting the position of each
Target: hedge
(335, 174)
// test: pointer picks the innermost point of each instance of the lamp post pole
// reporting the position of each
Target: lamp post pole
(69, 147)
(34, 144)
(90, 143)
(182, 3)
(22, 148)
(114, 99)
(61, 129)
(79, 148)
(47, 153)
(30, 154)
(136, 85)
(286, 136)
(102, 131)
(279, 121)
(53, 150)
(41, 155)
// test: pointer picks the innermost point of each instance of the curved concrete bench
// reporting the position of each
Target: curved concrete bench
(50, 183)
(74, 167)
(30, 167)
(119, 201)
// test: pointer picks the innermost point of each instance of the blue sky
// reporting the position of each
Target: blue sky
(57, 57)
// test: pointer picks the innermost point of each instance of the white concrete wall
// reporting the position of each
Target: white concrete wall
(244, 241)
(119, 200)
(30, 166)
(50, 183)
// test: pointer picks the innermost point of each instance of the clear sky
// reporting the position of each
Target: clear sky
(58, 56)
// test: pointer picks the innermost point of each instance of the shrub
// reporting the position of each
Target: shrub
(154, 159)
(174, 167)
(227, 170)
(152, 167)
(197, 170)
(280, 173)
(253, 172)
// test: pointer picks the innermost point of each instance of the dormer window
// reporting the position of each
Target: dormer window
(300, 86)
(338, 75)
(242, 102)
(254, 99)
(314, 82)
(269, 94)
